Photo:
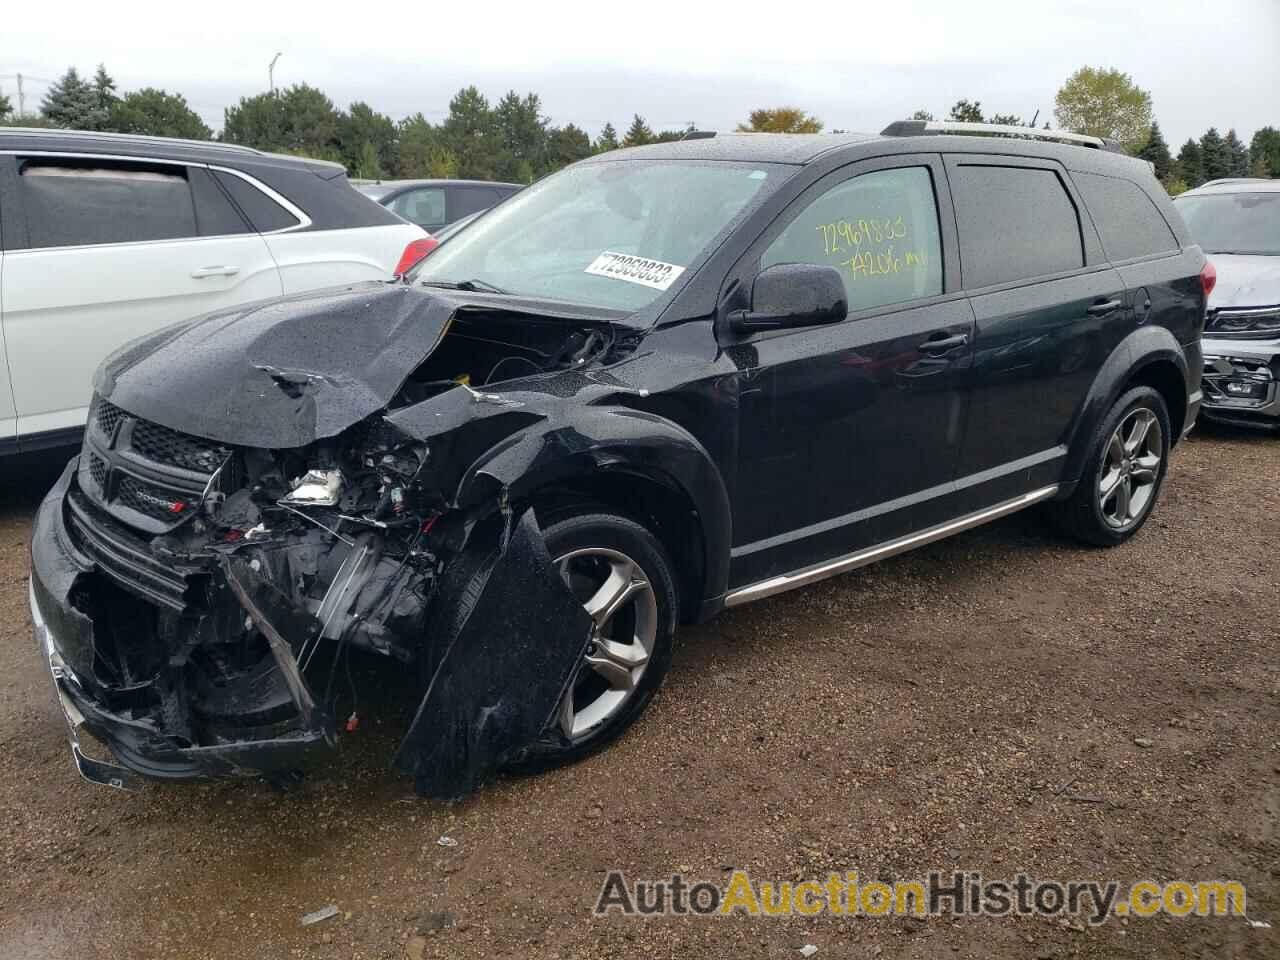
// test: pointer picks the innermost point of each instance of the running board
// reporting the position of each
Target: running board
(830, 568)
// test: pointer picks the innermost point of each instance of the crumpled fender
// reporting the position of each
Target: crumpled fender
(508, 651)
(610, 438)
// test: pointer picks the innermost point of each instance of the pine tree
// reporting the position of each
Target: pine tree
(638, 133)
(1215, 158)
(1156, 151)
(966, 111)
(1238, 154)
(71, 103)
(104, 88)
(608, 139)
(1190, 164)
(6, 107)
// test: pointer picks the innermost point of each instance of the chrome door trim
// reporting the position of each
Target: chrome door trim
(830, 568)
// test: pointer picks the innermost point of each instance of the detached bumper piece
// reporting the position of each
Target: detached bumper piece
(1241, 390)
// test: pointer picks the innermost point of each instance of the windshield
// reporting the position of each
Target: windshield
(614, 234)
(1234, 222)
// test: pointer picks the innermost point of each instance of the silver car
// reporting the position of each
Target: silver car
(1237, 223)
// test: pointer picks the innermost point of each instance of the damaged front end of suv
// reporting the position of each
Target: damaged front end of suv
(262, 489)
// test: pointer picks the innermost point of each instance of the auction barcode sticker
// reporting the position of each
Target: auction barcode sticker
(623, 266)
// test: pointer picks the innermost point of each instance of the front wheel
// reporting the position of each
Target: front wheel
(621, 575)
(1126, 466)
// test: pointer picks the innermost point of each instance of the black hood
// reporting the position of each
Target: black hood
(280, 373)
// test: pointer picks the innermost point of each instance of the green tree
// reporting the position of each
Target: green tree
(966, 111)
(924, 115)
(566, 145)
(1265, 146)
(780, 120)
(471, 134)
(1105, 103)
(72, 103)
(1238, 154)
(104, 91)
(523, 134)
(1156, 151)
(6, 107)
(158, 114)
(1215, 156)
(608, 140)
(1175, 186)
(638, 133)
(1189, 167)
(366, 140)
(1006, 119)
(299, 120)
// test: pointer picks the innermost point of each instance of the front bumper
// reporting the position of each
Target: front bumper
(1241, 382)
(138, 738)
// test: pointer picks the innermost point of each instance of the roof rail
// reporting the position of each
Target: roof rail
(698, 135)
(125, 138)
(922, 128)
(1214, 183)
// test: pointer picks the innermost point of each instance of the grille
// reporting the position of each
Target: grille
(177, 449)
(152, 501)
(106, 415)
(97, 471)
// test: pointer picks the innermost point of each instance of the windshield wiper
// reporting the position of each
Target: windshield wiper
(471, 286)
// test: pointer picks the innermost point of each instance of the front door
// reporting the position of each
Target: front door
(850, 432)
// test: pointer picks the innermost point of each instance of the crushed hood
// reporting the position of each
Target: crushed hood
(1245, 281)
(280, 373)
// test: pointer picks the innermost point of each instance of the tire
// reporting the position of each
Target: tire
(593, 547)
(1127, 465)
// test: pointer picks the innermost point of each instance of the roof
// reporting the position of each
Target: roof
(135, 145)
(397, 184)
(796, 148)
(1235, 185)
(800, 149)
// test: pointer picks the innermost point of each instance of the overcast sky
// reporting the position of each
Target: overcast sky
(856, 64)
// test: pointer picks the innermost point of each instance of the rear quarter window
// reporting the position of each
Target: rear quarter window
(1015, 223)
(263, 212)
(1130, 224)
(73, 203)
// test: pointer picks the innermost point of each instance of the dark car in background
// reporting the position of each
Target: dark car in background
(1237, 223)
(433, 204)
(661, 382)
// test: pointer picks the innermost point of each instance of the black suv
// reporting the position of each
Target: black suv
(661, 382)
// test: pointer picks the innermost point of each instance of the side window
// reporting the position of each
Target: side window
(424, 206)
(1015, 223)
(1129, 222)
(215, 216)
(263, 212)
(880, 230)
(90, 201)
(464, 201)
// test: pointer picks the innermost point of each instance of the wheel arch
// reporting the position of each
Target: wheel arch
(1150, 356)
(640, 465)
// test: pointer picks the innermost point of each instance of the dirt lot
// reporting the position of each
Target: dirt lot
(916, 715)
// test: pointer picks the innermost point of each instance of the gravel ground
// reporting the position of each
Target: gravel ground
(916, 715)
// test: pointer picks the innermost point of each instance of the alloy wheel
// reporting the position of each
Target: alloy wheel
(615, 592)
(1130, 469)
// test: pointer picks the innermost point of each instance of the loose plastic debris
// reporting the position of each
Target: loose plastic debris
(324, 913)
(447, 842)
(808, 950)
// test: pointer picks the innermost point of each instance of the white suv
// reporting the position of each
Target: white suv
(105, 237)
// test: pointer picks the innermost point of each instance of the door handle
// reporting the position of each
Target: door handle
(943, 344)
(201, 272)
(1103, 306)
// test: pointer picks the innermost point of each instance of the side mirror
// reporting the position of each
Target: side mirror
(792, 295)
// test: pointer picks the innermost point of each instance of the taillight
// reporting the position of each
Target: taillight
(414, 252)
(1208, 278)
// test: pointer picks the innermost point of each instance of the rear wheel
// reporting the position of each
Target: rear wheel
(620, 574)
(1127, 461)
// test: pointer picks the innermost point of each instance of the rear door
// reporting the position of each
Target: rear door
(112, 249)
(1049, 310)
(464, 201)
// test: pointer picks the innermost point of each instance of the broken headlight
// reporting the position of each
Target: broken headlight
(315, 488)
